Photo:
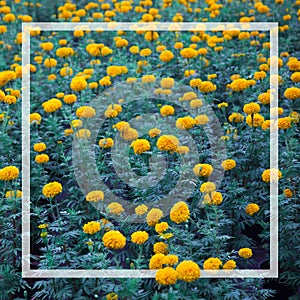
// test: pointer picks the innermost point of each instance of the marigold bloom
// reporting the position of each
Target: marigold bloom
(167, 143)
(154, 216)
(251, 209)
(189, 53)
(140, 146)
(251, 108)
(64, 52)
(255, 120)
(167, 83)
(85, 112)
(13, 194)
(78, 84)
(285, 123)
(292, 93)
(9, 173)
(148, 78)
(185, 123)
(170, 260)
(9, 99)
(166, 276)
(83, 133)
(229, 265)
(51, 105)
(156, 261)
(295, 77)
(212, 263)
(196, 103)
(207, 187)
(141, 209)
(114, 239)
(95, 196)
(130, 134)
(154, 132)
(91, 227)
(39, 147)
(236, 117)
(112, 296)
(202, 119)
(50, 62)
(228, 164)
(288, 193)
(207, 87)
(245, 253)
(188, 96)
(115, 208)
(52, 189)
(266, 175)
(106, 143)
(188, 271)
(166, 56)
(239, 85)
(139, 237)
(167, 110)
(180, 212)
(41, 158)
(203, 170)
(161, 227)
(160, 247)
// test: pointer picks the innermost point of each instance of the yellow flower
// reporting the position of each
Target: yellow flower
(180, 212)
(85, 112)
(13, 194)
(154, 132)
(114, 239)
(9, 173)
(68, 132)
(76, 123)
(166, 56)
(52, 189)
(160, 247)
(115, 208)
(207, 187)
(264, 98)
(167, 110)
(292, 93)
(185, 123)
(41, 158)
(229, 265)
(154, 216)
(295, 77)
(203, 170)
(201, 119)
(112, 296)
(239, 85)
(91, 227)
(188, 53)
(259, 75)
(156, 261)
(52, 105)
(166, 276)
(116, 107)
(9, 99)
(170, 260)
(70, 99)
(111, 113)
(161, 227)
(251, 108)
(47, 46)
(50, 62)
(105, 81)
(140, 146)
(207, 87)
(43, 226)
(130, 134)
(167, 83)
(167, 143)
(284, 123)
(223, 104)
(245, 253)
(78, 84)
(139, 237)
(182, 150)
(148, 78)
(188, 96)
(141, 209)
(188, 271)
(212, 263)
(266, 175)
(255, 120)
(216, 198)
(95, 196)
(83, 133)
(196, 103)
(288, 193)
(6, 76)
(39, 147)
(106, 143)
(228, 164)
(251, 209)
(64, 52)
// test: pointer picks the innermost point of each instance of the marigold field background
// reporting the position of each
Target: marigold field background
(198, 86)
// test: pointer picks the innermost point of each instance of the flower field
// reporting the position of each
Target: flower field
(150, 151)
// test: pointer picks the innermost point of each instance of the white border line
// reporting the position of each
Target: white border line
(68, 273)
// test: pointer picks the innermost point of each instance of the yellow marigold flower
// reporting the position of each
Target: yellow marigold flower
(167, 110)
(141, 209)
(91, 227)
(188, 96)
(295, 77)
(245, 253)
(139, 237)
(114, 71)
(105, 81)
(255, 120)
(183, 150)
(114, 239)
(9, 173)
(180, 212)
(156, 261)
(47, 46)
(66, 71)
(39, 147)
(6, 76)
(52, 189)
(251, 108)
(170, 260)
(95, 196)
(196, 103)
(166, 276)
(64, 52)
(201, 119)
(207, 187)
(130, 134)
(285, 123)
(111, 113)
(295, 116)
(43, 226)
(10, 99)
(140, 146)
(266, 175)
(43, 234)
(239, 85)
(292, 93)
(154, 132)
(106, 143)
(154, 216)
(266, 125)
(134, 50)
(203, 170)
(167, 83)
(112, 296)
(41, 158)
(207, 87)
(216, 198)
(223, 104)
(116, 107)
(83, 133)
(160, 247)
(212, 263)
(148, 78)
(167, 143)
(85, 112)
(70, 99)
(195, 83)
(228, 164)
(115, 208)
(259, 75)
(189, 53)
(78, 84)
(76, 123)
(251, 209)
(13, 194)
(229, 265)
(122, 126)
(185, 123)
(145, 52)
(166, 56)
(50, 62)
(288, 193)
(264, 98)
(188, 271)
(161, 227)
